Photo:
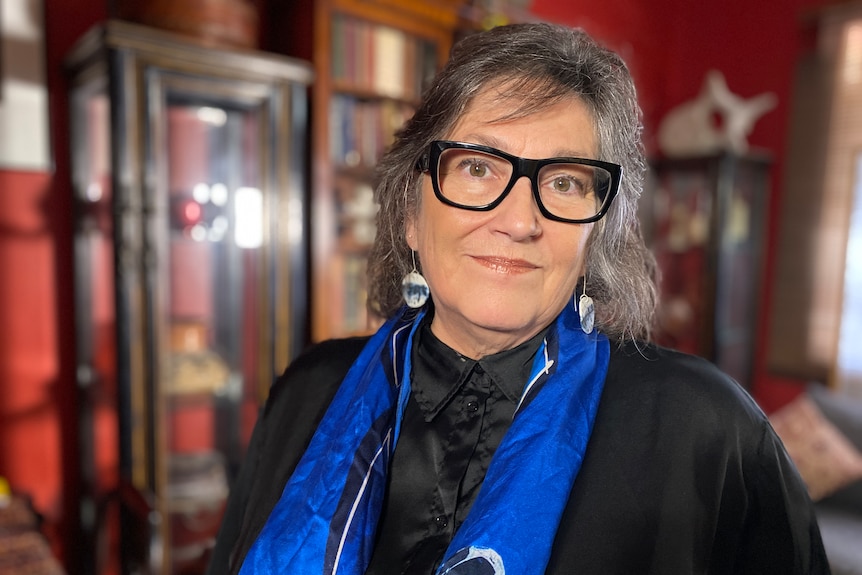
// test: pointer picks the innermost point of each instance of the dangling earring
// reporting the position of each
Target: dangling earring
(414, 288)
(586, 310)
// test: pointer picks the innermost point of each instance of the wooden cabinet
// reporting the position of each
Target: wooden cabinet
(371, 60)
(705, 220)
(190, 262)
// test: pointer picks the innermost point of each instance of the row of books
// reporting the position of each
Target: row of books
(380, 59)
(351, 293)
(361, 130)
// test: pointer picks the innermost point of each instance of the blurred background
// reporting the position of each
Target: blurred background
(186, 203)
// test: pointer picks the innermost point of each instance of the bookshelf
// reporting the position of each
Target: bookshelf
(371, 59)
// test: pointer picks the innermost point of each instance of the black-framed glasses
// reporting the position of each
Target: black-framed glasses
(475, 177)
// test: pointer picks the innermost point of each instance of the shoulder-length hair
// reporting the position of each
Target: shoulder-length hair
(539, 64)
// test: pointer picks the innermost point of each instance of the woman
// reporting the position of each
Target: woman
(515, 421)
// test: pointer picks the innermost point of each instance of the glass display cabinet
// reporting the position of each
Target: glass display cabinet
(190, 182)
(705, 220)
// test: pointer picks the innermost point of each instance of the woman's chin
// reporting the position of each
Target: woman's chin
(492, 324)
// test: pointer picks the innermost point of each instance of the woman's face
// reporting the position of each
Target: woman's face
(499, 277)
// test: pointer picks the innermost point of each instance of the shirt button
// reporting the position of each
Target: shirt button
(473, 406)
(479, 369)
(441, 522)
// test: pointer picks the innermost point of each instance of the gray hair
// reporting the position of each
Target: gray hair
(541, 64)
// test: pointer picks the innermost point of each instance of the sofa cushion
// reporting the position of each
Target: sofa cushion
(825, 458)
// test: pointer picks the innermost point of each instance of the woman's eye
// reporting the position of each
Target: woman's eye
(478, 170)
(474, 168)
(563, 184)
(566, 185)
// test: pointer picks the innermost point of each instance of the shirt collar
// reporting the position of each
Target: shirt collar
(439, 371)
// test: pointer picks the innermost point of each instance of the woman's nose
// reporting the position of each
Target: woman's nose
(518, 215)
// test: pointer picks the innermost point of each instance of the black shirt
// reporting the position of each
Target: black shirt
(453, 423)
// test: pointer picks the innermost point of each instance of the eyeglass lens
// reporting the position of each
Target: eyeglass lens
(473, 178)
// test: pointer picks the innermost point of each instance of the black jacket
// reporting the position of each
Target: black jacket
(682, 474)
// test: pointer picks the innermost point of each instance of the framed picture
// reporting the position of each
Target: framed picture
(24, 140)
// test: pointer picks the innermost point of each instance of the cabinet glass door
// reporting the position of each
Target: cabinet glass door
(211, 295)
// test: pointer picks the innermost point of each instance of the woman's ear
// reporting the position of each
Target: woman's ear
(410, 232)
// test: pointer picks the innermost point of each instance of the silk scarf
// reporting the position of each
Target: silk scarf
(326, 519)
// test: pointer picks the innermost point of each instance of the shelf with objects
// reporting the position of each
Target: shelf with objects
(704, 218)
(372, 59)
(190, 185)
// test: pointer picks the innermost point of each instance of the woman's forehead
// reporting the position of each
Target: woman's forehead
(495, 115)
(508, 100)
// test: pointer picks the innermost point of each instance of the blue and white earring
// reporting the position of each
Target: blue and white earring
(586, 310)
(414, 288)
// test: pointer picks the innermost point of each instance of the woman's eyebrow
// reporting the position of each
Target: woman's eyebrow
(489, 141)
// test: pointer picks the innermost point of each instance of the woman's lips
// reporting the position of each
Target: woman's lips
(505, 265)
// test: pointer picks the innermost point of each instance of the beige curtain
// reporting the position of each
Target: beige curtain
(819, 178)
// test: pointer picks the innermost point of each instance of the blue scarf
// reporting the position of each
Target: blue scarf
(326, 519)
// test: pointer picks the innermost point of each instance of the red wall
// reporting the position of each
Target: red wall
(669, 45)
(29, 365)
(38, 449)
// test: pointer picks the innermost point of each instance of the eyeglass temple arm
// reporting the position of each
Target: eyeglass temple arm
(422, 163)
